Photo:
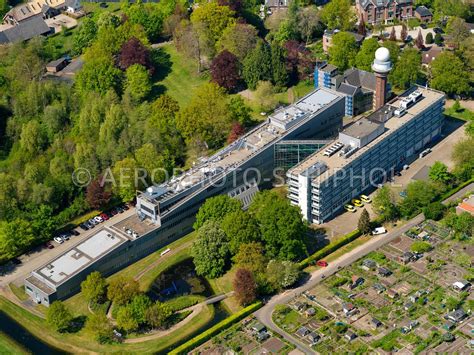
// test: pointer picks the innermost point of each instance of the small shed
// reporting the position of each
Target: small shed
(56, 65)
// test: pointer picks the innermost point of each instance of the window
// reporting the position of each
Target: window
(29, 288)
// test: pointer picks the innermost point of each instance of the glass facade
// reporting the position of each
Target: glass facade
(290, 153)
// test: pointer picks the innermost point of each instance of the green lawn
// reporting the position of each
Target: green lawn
(183, 78)
(463, 114)
(9, 346)
(81, 342)
(19, 292)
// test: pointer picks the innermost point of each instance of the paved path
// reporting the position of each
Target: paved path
(264, 314)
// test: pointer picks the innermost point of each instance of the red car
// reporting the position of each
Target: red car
(49, 245)
(322, 263)
(104, 216)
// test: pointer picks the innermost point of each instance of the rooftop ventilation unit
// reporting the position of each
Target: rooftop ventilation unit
(333, 149)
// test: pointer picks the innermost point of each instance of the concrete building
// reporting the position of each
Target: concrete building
(365, 152)
(166, 212)
(357, 85)
(384, 11)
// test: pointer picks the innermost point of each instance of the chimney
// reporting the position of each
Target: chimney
(381, 67)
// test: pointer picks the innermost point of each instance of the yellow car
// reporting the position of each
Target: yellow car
(365, 199)
(357, 202)
(349, 208)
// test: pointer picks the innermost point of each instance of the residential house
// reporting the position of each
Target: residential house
(310, 312)
(431, 54)
(384, 11)
(423, 14)
(467, 205)
(299, 306)
(449, 325)
(375, 323)
(461, 286)
(313, 337)
(383, 271)
(392, 294)
(302, 332)
(56, 65)
(379, 288)
(408, 306)
(369, 264)
(456, 316)
(356, 281)
(406, 257)
(349, 309)
(350, 335)
(328, 34)
(258, 327)
(45, 8)
(32, 27)
(277, 4)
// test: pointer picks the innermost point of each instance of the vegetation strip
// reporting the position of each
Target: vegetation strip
(226, 323)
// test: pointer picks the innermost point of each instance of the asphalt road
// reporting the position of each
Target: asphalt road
(264, 314)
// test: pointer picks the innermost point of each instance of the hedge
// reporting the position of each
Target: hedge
(331, 247)
(456, 189)
(219, 327)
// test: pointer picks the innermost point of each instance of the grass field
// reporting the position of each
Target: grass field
(81, 342)
(9, 346)
(463, 114)
(183, 78)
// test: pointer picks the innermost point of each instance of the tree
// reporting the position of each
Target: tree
(158, 315)
(384, 205)
(439, 172)
(239, 39)
(281, 226)
(125, 176)
(419, 40)
(216, 208)
(404, 32)
(394, 50)
(366, 54)
(308, 23)
(457, 106)
(239, 111)
(96, 194)
(462, 223)
(451, 8)
(420, 246)
(225, 70)
(234, 5)
(146, 16)
(343, 50)
(99, 326)
(458, 30)
(58, 316)
(251, 256)
(94, 287)
(207, 118)
(139, 306)
(210, 250)
(32, 139)
(407, 70)
(438, 39)
(280, 74)
(338, 14)
(138, 83)
(448, 74)
(434, 211)
(282, 274)
(122, 290)
(364, 222)
(240, 228)
(84, 35)
(99, 75)
(429, 38)
(299, 61)
(245, 287)
(134, 52)
(393, 35)
(126, 320)
(236, 131)
(419, 194)
(257, 65)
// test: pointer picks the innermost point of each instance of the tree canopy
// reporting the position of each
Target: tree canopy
(343, 50)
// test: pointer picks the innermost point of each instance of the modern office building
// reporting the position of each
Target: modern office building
(365, 152)
(167, 212)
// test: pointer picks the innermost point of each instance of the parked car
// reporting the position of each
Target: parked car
(99, 219)
(49, 245)
(84, 226)
(365, 199)
(74, 232)
(349, 208)
(64, 236)
(379, 230)
(425, 153)
(104, 216)
(322, 263)
(16, 261)
(93, 221)
(125, 207)
(357, 203)
(423, 26)
(437, 30)
(119, 209)
(58, 240)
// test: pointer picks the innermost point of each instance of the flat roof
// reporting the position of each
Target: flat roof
(337, 162)
(361, 128)
(80, 256)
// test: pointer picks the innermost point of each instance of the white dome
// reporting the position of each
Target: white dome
(382, 54)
